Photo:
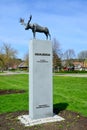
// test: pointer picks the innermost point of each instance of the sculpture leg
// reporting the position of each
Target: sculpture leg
(34, 35)
(46, 36)
(49, 36)
(34, 31)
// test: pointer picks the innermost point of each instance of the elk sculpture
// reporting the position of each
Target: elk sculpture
(35, 28)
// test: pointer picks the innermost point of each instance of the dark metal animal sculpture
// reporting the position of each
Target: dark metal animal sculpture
(35, 28)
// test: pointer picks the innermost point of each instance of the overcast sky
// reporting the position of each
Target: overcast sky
(66, 20)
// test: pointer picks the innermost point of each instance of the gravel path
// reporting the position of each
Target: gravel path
(72, 75)
(56, 74)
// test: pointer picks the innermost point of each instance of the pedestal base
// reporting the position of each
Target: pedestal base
(29, 122)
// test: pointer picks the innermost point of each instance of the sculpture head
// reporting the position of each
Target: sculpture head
(28, 25)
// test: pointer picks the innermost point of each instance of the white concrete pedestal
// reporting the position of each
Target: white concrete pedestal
(40, 85)
(40, 79)
(25, 119)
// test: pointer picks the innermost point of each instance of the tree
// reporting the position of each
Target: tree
(83, 55)
(26, 58)
(8, 55)
(69, 56)
(25, 62)
(1, 60)
(56, 55)
(1, 63)
(8, 50)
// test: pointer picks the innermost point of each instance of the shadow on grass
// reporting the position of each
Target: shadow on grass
(59, 107)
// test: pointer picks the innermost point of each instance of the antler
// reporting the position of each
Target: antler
(30, 18)
(22, 22)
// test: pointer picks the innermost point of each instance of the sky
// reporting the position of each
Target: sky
(66, 20)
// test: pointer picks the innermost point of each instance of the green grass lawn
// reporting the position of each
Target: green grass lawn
(67, 90)
(72, 91)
